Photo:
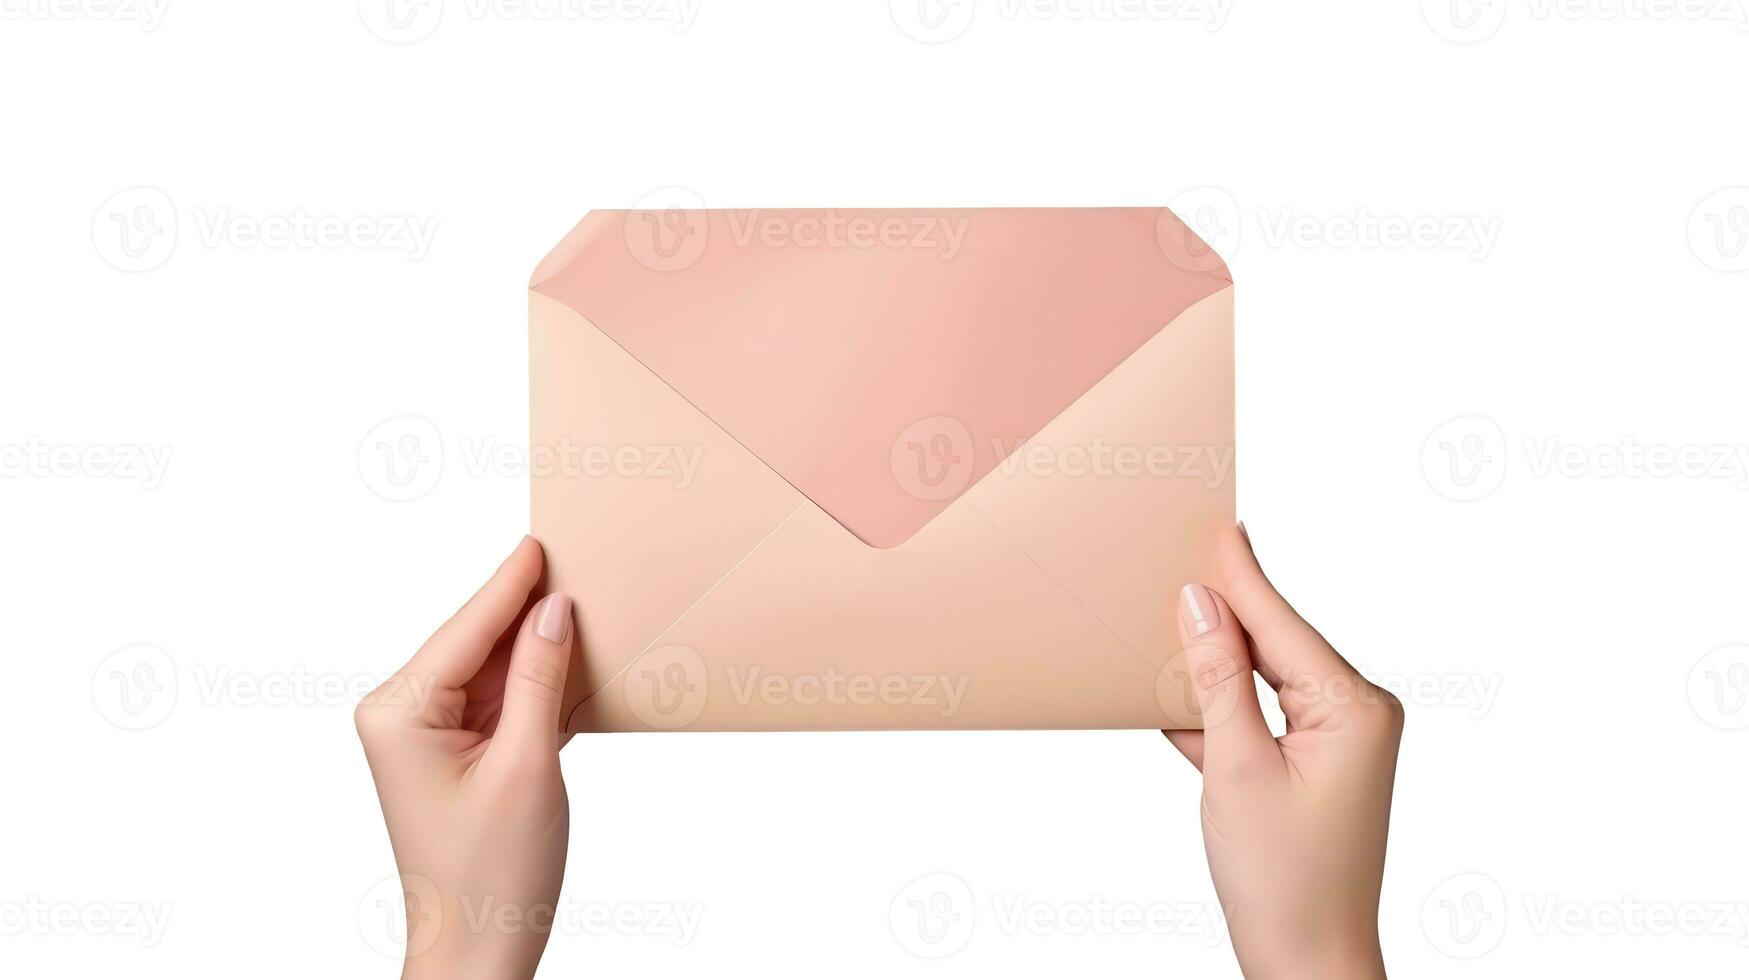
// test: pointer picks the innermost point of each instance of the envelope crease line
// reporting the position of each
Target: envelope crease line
(702, 596)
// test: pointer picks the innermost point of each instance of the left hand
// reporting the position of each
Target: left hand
(463, 743)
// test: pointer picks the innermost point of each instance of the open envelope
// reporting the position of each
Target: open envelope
(880, 469)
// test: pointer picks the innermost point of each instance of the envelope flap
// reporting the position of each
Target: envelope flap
(881, 361)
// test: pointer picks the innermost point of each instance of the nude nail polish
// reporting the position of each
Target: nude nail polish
(552, 618)
(1196, 610)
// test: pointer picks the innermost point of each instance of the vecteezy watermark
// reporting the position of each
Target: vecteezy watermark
(401, 915)
(403, 458)
(935, 458)
(1465, 459)
(35, 459)
(140, 686)
(1176, 686)
(1202, 226)
(1718, 230)
(299, 228)
(940, 233)
(932, 458)
(1467, 915)
(1464, 916)
(1211, 466)
(934, 916)
(1464, 21)
(147, 14)
(941, 694)
(135, 230)
(1474, 694)
(143, 922)
(1019, 914)
(940, 21)
(668, 229)
(1547, 914)
(1471, 21)
(1473, 235)
(408, 21)
(1552, 456)
(675, 922)
(405, 915)
(1718, 687)
(135, 688)
(668, 688)
(138, 230)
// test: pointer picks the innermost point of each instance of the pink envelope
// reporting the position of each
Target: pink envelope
(880, 469)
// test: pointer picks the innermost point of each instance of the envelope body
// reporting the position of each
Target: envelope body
(880, 469)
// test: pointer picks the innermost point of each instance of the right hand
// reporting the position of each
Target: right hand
(1294, 826)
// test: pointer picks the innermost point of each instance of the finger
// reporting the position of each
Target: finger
(1234, 732)
(534, 686)
(1287, 647)
(458, 648)
(1187, 741)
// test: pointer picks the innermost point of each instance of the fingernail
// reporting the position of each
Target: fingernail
(552, 618)
(1196, 610)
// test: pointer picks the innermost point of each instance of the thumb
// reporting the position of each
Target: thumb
(1219, 666)
(534, 684)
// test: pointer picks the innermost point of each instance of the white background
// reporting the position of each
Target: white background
(1554, 582)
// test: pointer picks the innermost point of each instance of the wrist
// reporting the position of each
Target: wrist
(464, 953)
(439, 964)
(1332, 958)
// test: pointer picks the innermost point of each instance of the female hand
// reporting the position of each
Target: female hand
(1294, 826)
(463, 744)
